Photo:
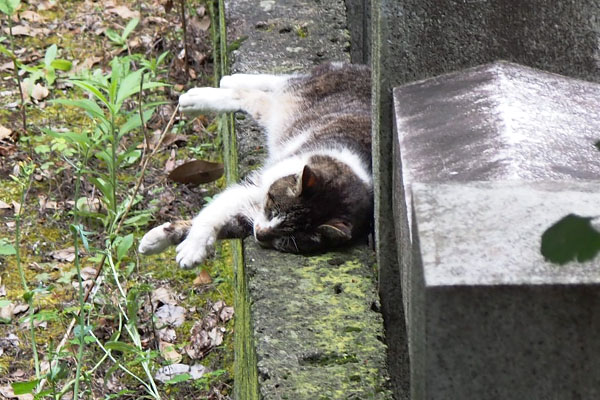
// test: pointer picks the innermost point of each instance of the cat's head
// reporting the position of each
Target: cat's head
(312, 211)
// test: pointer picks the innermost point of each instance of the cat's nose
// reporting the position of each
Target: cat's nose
(262, 235)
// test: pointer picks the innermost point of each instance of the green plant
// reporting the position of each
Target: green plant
(47, 68)
(8, 7)
(120, 39)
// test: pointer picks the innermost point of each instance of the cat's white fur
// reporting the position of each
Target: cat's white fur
(261, 96)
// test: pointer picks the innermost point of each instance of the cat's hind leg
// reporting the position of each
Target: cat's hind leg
(262, 106)
(264, 82)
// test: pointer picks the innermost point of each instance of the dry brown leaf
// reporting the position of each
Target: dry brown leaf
(9, 66)
(31, 16)
(203, 278)
(88, 273)
(170, 164)
(21, 30)
(226, 314)
(167, 350)
(46, 5)
(6, 312)
(16, 207)
(156, 20)
(170, 315)
(67, 254)
(39, 92)
(124, 12)
(163, 295)
(4, 132)
(197, 172)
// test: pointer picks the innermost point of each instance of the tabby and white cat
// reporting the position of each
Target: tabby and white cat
(315, 189)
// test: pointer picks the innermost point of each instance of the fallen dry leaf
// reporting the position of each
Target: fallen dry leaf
(4, 133)
(167, 350)
(169, 372)
(171, 315)
(31, 16)
(203, 278)
(161, 296)
(4, 205)
(226, 314)
(39, 92)
(197, 172)
(88, 273)
(67, 254)
(124, 12)
(16, 207)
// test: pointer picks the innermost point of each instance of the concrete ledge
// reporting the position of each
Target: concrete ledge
(487, 315)
(315, 327)
(490, 318)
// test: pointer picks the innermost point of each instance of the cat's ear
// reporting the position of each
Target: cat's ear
(336, 230)
(308, 181)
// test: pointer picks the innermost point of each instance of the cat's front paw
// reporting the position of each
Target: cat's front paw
(195, 248)
(155, 241)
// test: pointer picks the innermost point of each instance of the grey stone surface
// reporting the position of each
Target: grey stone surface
(487, 316)
(498, 121)
(491, 318)
(317, 326)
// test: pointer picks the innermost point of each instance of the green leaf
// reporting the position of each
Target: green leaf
(50, 76)
(63, 65)
(92, 89)
(88, 105)
(179, 378)
(9, 7)
(50, 55)
(134, 121)
(4, 303)
(121, 346)
(129, 86)
(123, 246)
(71, 137)
(6, 249)
(130, 27)
(113, 36)
(6, 51)
(24, 387)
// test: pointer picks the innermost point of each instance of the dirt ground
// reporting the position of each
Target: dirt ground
(57, 230)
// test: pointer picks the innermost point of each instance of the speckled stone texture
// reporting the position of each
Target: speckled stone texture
(317, 328)
(487, 160)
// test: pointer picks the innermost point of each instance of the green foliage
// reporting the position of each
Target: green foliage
(121, 39)
(47, 68)
(9, 7)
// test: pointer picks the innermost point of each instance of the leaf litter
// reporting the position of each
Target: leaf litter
(54, 255)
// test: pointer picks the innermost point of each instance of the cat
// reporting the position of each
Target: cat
(314, 191)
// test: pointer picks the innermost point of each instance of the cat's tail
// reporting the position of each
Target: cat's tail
(160, 238)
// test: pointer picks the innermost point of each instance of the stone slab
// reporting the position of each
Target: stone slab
(487, 159)
(490, 317)
(317, 327)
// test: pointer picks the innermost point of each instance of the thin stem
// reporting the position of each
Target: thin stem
(28, 175)
(79, 280)
(185, 47)
(16, 73)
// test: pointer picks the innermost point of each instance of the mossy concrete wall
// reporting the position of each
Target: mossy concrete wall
(315, 322)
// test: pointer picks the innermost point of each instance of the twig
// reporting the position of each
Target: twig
(16, 73)
(103, 260)
(185, 47)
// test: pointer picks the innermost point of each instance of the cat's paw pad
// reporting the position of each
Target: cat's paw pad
(194, 249)
(155, 241)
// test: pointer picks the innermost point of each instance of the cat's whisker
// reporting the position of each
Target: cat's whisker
(295, 245)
